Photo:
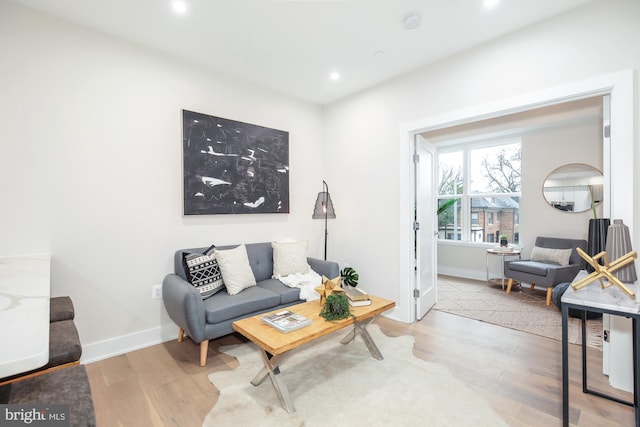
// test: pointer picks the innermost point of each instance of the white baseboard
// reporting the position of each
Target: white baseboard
(113, 347)
(464, 273)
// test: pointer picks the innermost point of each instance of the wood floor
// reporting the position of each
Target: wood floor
(519, 374)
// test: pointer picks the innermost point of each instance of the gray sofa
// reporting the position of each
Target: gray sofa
(203, 320)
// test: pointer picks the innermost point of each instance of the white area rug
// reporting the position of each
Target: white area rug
(332, 384)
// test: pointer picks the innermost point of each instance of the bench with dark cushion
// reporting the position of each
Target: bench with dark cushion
(62, 380)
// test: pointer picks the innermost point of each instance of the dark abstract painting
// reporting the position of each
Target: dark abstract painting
(233, 167)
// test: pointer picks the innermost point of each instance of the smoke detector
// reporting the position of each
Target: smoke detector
(412, 20)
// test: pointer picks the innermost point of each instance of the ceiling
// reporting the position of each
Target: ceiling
(292, 46)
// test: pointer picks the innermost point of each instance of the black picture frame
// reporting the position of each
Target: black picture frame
(232, 167)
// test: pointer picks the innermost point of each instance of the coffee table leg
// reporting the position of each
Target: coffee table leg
(272, 370)
(361, 327)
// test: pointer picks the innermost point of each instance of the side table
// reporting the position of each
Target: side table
(24, 305)
(610, 300)
(502, 254)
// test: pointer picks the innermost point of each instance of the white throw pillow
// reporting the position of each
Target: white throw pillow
(235, 268)
(558, 256)
(289, 258)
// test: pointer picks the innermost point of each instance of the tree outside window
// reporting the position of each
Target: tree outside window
(479, 192)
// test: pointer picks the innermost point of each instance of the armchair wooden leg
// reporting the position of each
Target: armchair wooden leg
(532, 286)
(509, 285)
(180, 335)
(204, 347)
(549, 293)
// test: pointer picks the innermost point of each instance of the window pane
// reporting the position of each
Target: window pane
(495, 169)
(450, 173)
(496, 215)
(449, 219)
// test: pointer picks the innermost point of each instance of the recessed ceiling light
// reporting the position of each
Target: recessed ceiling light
(334, 76)
(489, 4)
(412, 20)
(179, 6)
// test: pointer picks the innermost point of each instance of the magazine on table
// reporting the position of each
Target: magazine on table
(286, 321)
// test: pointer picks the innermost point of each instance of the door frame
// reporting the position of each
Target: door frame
(621, 87)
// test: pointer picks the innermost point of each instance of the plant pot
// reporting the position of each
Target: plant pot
(504, 243)
(597, 239)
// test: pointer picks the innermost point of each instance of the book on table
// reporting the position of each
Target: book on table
(359, 303)
(286, 320)
(356, 294)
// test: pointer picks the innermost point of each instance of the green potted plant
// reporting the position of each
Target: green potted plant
(349, 277)
(504, 240)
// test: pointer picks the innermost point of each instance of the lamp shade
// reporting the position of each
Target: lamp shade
(324, 205)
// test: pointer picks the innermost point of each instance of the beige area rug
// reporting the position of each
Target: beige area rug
(332, 384)
(522, 309)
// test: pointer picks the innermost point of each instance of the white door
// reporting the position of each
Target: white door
(427, 226)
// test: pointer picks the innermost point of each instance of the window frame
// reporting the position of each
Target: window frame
(465, 197)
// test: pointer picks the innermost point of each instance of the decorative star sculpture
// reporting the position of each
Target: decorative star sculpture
(328, 287)
(605, 271)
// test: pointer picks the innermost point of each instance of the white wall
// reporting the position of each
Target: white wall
(90, 168)
(362, 132)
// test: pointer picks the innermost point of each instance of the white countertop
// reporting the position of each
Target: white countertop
(610, 298)
(24, 313)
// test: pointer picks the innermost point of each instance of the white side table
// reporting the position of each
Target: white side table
(610, 300)
(24, 313)
(502, 254)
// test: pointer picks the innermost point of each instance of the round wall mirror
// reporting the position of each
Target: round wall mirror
(573, 187)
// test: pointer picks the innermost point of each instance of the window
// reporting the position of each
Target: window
(479, 191)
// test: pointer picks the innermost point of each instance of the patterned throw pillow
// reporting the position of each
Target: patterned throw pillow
(203, 272)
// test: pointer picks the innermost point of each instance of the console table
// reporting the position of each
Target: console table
(24, 313)
(610, 300)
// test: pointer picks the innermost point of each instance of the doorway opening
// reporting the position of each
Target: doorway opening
(621, 206)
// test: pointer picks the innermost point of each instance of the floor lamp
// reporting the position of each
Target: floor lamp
(324, 210)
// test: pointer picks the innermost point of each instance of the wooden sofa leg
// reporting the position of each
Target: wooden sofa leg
(549, 293)
(509, 285)
(204, 347)
(532, 286)
(181, 335)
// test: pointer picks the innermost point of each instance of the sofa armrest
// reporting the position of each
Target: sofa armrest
(329, 269)
(184, 305)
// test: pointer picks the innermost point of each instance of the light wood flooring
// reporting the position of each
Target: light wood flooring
(519, 374)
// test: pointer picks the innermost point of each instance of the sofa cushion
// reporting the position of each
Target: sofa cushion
(532, 267)
(287, 294)
(556, 256)
(203, 272)
(64, 343)
(289, 258)
(61, 308)
(236, 271)
(223, 306)
(69, 386)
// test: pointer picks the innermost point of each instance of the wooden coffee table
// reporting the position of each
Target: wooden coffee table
(274, 344)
